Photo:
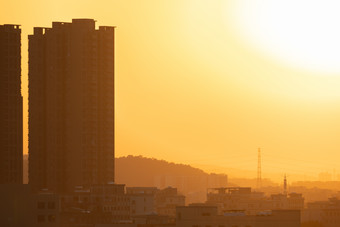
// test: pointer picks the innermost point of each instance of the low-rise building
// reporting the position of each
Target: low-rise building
(167, 200)
(244, 199)
(20, 207)
(238, 198)
(291, 201)
(203, 216)
(98, 204)
(323, 213)
(142, 200)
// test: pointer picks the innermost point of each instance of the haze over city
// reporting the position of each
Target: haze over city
(196, 84)
(170, 113)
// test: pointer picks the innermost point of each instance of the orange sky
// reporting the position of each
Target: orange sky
(191, 90)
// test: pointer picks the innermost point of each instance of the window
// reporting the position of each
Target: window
(51, 205)
(51, 218)
(41, 205)
(40, 218)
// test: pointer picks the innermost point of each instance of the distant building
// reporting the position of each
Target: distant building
(217, 180)
(291, 201)
(142, 200)
(71, 105)
(244, 199)
(167, 200)
(153, 220)
(200, 216)
(11, 147)
(322, 213)
(238, 198)
(20, 207)
(146, 201)
(193, 186)
(99, 204)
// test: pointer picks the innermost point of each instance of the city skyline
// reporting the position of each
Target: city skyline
(189, 83)
(170, 113)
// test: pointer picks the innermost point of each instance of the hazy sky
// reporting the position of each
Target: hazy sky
(208, 82)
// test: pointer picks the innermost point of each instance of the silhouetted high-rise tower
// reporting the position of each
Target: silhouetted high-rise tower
(10, 105)
(71, 105)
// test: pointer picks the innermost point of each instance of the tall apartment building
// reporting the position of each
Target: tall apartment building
(10, 105)
(71, 105)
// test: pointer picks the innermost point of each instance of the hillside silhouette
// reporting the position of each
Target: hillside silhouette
(139, 171)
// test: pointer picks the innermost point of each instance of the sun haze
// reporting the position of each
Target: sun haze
(208, 82)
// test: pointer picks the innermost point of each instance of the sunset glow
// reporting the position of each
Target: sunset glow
(208, 82)
(301, 34)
